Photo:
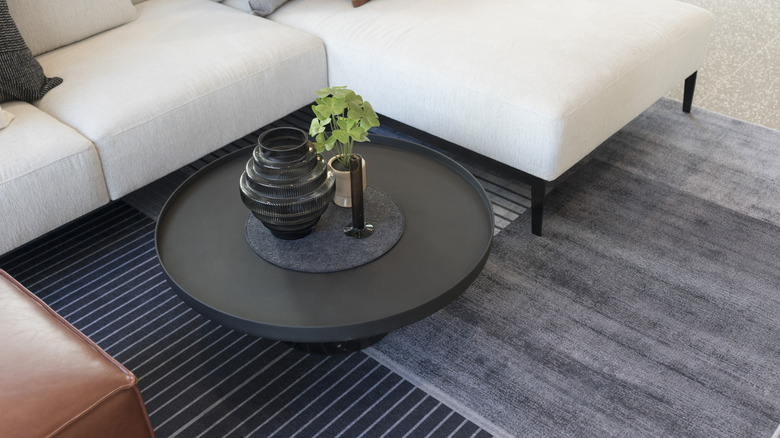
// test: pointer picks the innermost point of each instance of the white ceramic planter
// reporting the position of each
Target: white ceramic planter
(343, 197)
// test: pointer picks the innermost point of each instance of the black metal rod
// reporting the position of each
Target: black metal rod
(356, 182)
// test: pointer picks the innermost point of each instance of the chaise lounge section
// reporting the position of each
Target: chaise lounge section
(532, 84)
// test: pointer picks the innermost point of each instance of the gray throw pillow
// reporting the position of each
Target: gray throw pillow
(21, 76)
(265, 7)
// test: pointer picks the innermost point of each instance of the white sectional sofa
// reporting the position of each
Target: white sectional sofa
(533, 84)
(175, 81)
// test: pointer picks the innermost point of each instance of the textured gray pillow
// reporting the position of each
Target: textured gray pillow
(21, 77)
(264, 7)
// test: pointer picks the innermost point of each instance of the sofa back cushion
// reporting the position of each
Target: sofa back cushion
(48, 24)
(241, 5)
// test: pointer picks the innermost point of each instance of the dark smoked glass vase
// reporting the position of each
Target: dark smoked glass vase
(286, 184)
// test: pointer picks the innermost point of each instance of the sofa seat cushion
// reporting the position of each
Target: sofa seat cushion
(183, 79)
(49, 175)
(57, 382)
(531, 83)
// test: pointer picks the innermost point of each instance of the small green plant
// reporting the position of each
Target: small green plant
(346, 115)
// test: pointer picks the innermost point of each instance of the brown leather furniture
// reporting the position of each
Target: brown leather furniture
(54, 381)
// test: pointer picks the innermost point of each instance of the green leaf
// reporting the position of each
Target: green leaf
(330, 142)
(353, 100)
(370, 118)
(327, 91)
(343, 93)
(355, 113)
(333, 106)
(340, 135)
(359, 134)
(356, 132)
(346, 124)
(319, 142)
(321, 111)
(318, 126)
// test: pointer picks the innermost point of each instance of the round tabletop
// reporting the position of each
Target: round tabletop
(448, 232)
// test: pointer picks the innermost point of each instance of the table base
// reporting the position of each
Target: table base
(340, 347)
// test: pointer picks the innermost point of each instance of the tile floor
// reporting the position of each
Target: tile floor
(741, 73)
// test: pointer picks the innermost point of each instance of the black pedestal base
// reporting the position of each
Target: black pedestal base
(342, 347)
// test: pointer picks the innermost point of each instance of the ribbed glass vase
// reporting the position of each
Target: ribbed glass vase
(286, 184)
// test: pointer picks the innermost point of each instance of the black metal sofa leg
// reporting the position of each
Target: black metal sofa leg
(538, 185)
(537, 205)
(690, 85)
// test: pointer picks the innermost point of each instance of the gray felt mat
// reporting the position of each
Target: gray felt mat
(327, 248)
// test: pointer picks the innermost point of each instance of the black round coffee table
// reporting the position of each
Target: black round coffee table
(448, 232)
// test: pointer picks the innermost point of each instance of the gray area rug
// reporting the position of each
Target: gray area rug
(651, 306)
